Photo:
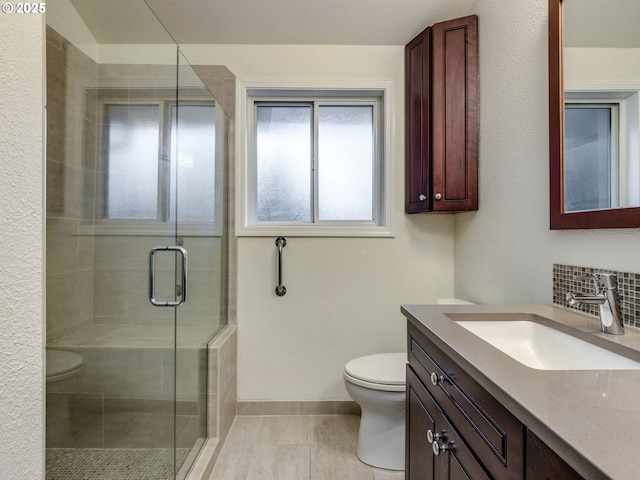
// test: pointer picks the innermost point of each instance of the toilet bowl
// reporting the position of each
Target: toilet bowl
(62, 365)
(377, 383)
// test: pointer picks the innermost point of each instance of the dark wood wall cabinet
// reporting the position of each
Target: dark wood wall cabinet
(457, 430)
(441, 108)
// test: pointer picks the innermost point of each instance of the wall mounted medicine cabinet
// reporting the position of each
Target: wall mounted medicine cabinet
(441, 108)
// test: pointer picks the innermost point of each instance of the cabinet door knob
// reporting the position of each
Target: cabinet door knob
(438, 196)
(434, 437)
(437, 448)
(435, 380)
(422, 197)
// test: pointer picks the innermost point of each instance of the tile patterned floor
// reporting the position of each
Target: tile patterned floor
(112, 463)
(301, 447)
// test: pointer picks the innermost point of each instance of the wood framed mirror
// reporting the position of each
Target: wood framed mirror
(562, 217)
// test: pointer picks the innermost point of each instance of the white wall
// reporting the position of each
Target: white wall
(505, 252)
(343, 294)
(21, 247)
(602, 68)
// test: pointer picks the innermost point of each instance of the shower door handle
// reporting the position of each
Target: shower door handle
(181, 288)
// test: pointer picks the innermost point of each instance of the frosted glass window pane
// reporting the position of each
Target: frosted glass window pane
(193, 153)
(132, 166)
(345, 163)
(283, 143)
(587, 158)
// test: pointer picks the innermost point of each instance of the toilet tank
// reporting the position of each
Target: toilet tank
(452, 301)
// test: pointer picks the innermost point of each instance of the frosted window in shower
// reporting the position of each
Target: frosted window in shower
(132, 138)
(159, 160)
(192, 177)
(283, 163)
(345, 162)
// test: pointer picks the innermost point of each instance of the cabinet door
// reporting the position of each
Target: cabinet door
(417, 124)
(419, 461)
(544, 464)
(454, 459)
(455, 115)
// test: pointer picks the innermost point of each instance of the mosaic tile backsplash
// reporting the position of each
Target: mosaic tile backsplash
(566, 278)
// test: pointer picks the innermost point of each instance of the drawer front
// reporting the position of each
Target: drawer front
(495, 435)
(457, 461)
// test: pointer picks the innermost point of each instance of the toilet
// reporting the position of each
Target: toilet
(62, 365)
(377, 383)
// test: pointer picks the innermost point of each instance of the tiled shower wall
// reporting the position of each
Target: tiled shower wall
(567, 278)
(70, 272)
(111, 288)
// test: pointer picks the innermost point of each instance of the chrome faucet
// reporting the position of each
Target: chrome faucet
(605, 295)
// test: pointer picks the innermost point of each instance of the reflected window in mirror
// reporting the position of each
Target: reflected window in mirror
(590, 156)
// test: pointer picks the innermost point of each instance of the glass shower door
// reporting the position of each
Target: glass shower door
(197, 207)
(129, 168)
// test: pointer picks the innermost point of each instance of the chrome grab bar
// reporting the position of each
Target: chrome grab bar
(280, 244)
(181, 289)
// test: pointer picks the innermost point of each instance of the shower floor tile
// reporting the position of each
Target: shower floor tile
(112, 463)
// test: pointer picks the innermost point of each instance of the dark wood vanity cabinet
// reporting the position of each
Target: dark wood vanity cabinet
(481, 438)
(441, 108)
(475, 436)
(450, 458)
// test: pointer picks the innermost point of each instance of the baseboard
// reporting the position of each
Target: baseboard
(343, 407)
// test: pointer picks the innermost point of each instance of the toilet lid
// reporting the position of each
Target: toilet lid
(60, 362)
(382, 368)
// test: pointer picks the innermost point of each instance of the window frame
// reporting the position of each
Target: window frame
(163, 224)
(376, 95)
(616, 127)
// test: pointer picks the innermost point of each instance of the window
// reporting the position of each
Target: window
(591, 156)
(602, 149)
(315, 163)
(158, 161)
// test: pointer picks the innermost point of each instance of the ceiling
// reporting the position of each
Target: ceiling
(323, 22)
(588, 23)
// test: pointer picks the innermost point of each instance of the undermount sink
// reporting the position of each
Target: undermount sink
(544, 348)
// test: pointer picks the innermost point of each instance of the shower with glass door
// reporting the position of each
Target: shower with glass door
(137, 246)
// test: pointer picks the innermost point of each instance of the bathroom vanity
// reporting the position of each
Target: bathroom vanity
(474, 411)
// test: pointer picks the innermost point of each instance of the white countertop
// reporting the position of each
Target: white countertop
(591, 418)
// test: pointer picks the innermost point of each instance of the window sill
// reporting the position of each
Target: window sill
(372, 231)
(150, 230)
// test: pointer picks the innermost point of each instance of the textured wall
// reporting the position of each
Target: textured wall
(505, 253)
(21, 247)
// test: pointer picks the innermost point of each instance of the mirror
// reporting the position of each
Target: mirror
(594, 114)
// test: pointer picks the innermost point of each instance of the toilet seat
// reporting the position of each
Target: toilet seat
(62, 365)
(383, 371)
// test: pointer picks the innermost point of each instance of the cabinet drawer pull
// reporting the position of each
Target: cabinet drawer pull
(422, 197)
(438, 196)
(434, 437)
